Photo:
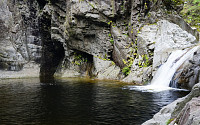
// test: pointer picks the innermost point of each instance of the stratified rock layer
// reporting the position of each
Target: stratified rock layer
(106, 39)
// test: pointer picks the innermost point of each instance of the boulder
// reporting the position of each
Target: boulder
(170, 37)
(139, 75)
(183, 111)
(188, 75)
(111, 73)
(190, 114)
(162, 117)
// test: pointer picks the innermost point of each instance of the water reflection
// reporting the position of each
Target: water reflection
(74, 102)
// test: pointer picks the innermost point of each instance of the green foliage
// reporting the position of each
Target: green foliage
(172, 4)
(144, 62)
(111, 41)
(126, 70)
(110, 22)
(191, 13)
(113, 63)
(169, 121)
(79, 59)
(197, 2)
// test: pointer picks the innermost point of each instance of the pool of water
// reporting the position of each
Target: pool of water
(78, 102)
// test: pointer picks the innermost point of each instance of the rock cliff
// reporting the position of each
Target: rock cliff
(105, 39)
(19, 39)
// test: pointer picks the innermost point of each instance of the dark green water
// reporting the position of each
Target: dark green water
(77, 102)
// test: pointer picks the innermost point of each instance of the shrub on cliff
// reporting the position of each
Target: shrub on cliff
(191, 13)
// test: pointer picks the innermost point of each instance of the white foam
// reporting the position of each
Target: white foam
(152, 88)
(164, 74)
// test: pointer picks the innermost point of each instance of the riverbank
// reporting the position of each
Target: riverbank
(29, 70)
(25, 101)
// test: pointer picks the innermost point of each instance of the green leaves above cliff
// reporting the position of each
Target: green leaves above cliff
(191, 13)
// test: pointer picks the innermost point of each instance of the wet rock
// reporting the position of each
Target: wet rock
(29, 70)
(189, 75)
(183, 111)
(139, 75)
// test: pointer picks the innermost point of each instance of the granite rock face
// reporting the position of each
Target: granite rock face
(91, 37)
(190, 114)
(19, 40)
(188, 75)
(184, 111)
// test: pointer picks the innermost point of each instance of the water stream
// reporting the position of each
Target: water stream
(164, 74)
(78, 102)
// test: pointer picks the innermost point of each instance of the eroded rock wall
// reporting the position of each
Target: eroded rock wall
(112, 39)
(20, 42)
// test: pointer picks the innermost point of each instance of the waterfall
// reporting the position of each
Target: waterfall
(164, 74)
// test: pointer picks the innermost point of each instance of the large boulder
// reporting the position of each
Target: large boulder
(164, 37)
(188, 75)
(162, 117)
(190, 114)
(155, 42)
(183, 111)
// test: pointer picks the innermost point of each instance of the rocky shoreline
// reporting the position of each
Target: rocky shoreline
(30, 70)
(183, 111)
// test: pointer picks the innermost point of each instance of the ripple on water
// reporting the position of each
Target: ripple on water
(64, 102)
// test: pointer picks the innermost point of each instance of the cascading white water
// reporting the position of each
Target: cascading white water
(164, 74)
